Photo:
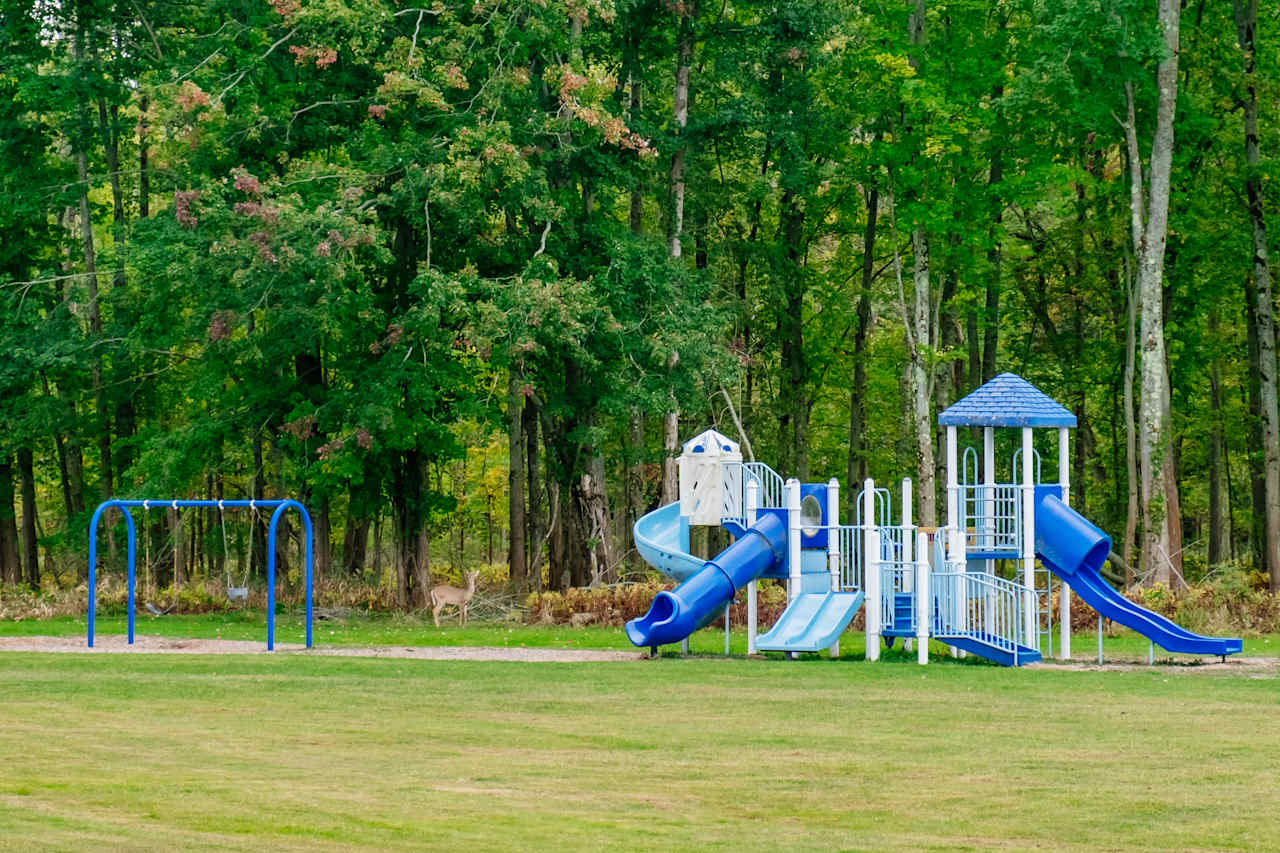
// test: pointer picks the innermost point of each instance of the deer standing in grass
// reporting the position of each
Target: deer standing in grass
(442, 595)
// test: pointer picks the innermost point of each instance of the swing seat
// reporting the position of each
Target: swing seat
(237, 593)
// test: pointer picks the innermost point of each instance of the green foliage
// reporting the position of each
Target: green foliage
(327, 234)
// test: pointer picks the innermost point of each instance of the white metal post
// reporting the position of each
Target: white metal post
(1031, 623)
(989, 489)
(793, 539)
(908, 533)
(871, 569)
(1064, 591)
(753, 502)
(833, 544)
(953, 482)
(924, 602)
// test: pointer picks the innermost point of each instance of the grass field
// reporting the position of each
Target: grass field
(299, 752)
(418, 630)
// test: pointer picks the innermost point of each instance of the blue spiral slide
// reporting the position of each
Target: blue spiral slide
(708, 585)
(1074, 549)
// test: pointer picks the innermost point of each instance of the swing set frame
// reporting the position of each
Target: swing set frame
(280, 507)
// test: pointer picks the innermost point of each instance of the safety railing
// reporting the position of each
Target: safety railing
(850, 538)
(979, 606)
(767, 480)
(991, 515)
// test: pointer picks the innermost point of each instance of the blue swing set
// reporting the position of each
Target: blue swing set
(280, 506)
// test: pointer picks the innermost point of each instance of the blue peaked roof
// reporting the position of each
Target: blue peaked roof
(1007, 401)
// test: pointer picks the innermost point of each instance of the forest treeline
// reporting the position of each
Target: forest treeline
(461, 276)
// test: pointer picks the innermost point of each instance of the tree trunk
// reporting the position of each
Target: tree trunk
(81, 144)
(144, 173)
(680, 112)
(794, 398)
(179, 548)
(995, 255)
(322, 533)
(858, 453)
(1246, 15)
(634, 501)
(595, 511)
(536, 488)
(1217, 550)
(1130, 427)
(27, 478)
(10, 560)
(516, 560)
(355, 544)
(921, 392)
(670, 448)
(1162, 543)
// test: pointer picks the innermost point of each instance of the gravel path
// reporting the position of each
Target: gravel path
(146, 644)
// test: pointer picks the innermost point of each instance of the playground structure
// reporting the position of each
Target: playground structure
(279, 507)
(916, 584)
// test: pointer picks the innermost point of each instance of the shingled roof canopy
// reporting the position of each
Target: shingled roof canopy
(1007, 401)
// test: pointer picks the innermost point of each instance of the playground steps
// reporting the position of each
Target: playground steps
(904, 616)
(812, 622)
(993, 649)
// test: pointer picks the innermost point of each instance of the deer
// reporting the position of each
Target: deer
(442, 595)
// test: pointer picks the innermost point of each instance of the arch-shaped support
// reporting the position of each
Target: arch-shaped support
(280, 506)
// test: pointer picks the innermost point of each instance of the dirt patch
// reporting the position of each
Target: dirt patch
(1261, 667)
(146, 644)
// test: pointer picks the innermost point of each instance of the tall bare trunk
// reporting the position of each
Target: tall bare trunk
(1162, 540)
(680, 112)
(857, 467)
(1246, 15)
(921, 379)
(1130, 426)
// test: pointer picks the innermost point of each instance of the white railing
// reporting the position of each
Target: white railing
(739, 476)
(978, 606)
(849, 537)
(991, 515)
(884, 509)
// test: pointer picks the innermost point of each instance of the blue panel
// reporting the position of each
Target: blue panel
(818, 539)
(815, 583)
(814, 563)
(1008, 400)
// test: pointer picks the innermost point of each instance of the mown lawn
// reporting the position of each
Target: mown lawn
(301, 752)
(418, 630)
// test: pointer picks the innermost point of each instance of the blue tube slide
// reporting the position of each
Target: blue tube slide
(1074, 549)
(676, 614)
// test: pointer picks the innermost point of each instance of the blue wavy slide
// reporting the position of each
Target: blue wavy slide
(1074, 549)
(702, 596)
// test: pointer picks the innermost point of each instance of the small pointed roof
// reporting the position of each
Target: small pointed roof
(712, 443)
(1007, 401)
